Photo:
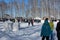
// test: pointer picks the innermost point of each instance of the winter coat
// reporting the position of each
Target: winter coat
(58, 27)
(46, 30)
(51, 25)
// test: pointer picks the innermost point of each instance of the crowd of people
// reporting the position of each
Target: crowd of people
(47, 30)
(31, 21)
(12, 22)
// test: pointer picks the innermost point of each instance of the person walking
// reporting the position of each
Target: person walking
(58, 30)
(32, 22)
(28, 22)
(18, 24)
(46, 30)
(52, 28)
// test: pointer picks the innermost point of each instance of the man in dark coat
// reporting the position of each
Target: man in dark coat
(58, 30)
(32, 22)
(29, 22)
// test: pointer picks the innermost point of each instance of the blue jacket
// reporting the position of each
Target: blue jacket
(46, 30)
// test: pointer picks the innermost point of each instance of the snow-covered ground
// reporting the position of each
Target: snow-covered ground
(25, 33)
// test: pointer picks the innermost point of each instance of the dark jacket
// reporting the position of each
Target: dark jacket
(58, 27)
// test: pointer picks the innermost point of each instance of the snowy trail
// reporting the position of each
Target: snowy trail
(28, 33)
(22, 34)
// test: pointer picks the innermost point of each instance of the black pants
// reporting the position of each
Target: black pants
(47, 37)
(58, 35)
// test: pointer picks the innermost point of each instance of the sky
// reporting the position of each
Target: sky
(7, 1)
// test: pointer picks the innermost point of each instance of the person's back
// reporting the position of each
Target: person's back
(46, 30)
(58, 30)
(52, 28)
(51, 25)
(58, 26)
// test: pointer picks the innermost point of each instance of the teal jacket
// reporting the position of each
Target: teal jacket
(46, 30)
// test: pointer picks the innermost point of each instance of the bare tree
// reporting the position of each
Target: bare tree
(16, 8)
(23, 7)
(29, 9)
(3, 8)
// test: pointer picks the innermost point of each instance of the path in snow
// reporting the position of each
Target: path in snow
(26, 33)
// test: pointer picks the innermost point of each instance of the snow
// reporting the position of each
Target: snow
(15, 26)
(25, 33)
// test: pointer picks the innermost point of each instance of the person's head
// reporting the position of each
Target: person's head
(46, 20)
(51, 20)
